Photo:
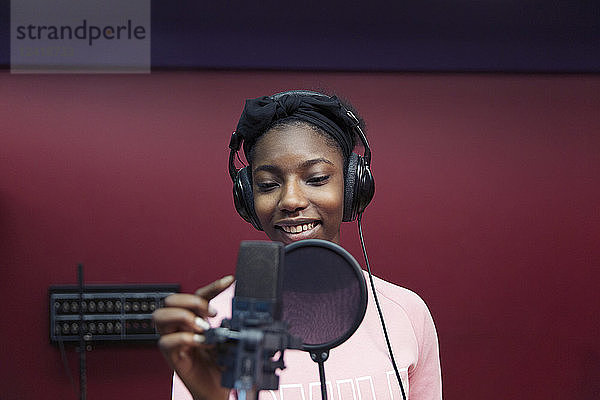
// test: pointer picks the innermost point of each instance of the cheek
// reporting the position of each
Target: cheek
(264, 207)
(332, 203)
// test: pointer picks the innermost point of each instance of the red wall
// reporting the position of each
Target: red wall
(487, 204)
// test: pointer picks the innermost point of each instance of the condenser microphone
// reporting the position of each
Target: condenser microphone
(248, 342)
(258, 275)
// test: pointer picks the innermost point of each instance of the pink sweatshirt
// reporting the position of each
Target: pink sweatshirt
(360, 368)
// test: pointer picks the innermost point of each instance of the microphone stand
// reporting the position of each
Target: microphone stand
(319, 358)
(82, 344)
(244, 394)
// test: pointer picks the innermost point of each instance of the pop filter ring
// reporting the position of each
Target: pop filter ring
(319, 353)
(316, 349)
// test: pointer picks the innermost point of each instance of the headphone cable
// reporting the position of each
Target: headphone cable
(385, 333)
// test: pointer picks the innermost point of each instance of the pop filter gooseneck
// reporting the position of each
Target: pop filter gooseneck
(324, 297)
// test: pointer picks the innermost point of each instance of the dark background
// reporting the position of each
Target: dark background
(459, 35)
(487, 200)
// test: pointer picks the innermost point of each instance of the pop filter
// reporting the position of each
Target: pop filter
(324, 297)
(324, 294)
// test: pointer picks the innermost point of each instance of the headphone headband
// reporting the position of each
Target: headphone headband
(351, 124)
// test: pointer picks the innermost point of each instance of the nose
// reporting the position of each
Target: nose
(293, 198)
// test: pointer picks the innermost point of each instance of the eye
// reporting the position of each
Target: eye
(266, 186)
(318, 180)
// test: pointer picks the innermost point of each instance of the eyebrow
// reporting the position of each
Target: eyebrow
(304, 165)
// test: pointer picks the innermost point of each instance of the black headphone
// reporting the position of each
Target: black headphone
(359, 185)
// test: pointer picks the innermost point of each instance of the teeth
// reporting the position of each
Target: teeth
(298, 228)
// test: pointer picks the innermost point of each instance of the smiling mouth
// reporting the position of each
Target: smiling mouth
(295, 229)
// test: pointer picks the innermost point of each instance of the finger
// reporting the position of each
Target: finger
(178, 346)
(180, 340)
(169, 320)
(193, 303)
(210, 291)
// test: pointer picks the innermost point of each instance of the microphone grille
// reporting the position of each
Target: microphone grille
(258, 272)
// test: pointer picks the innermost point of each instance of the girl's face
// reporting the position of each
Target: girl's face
(298, 184)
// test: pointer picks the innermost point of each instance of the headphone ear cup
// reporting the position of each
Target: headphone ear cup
(349, 186)
(359, 187)
(365, 187)
(243, 197)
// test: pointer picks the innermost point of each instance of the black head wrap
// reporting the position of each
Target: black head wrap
(325, 112)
